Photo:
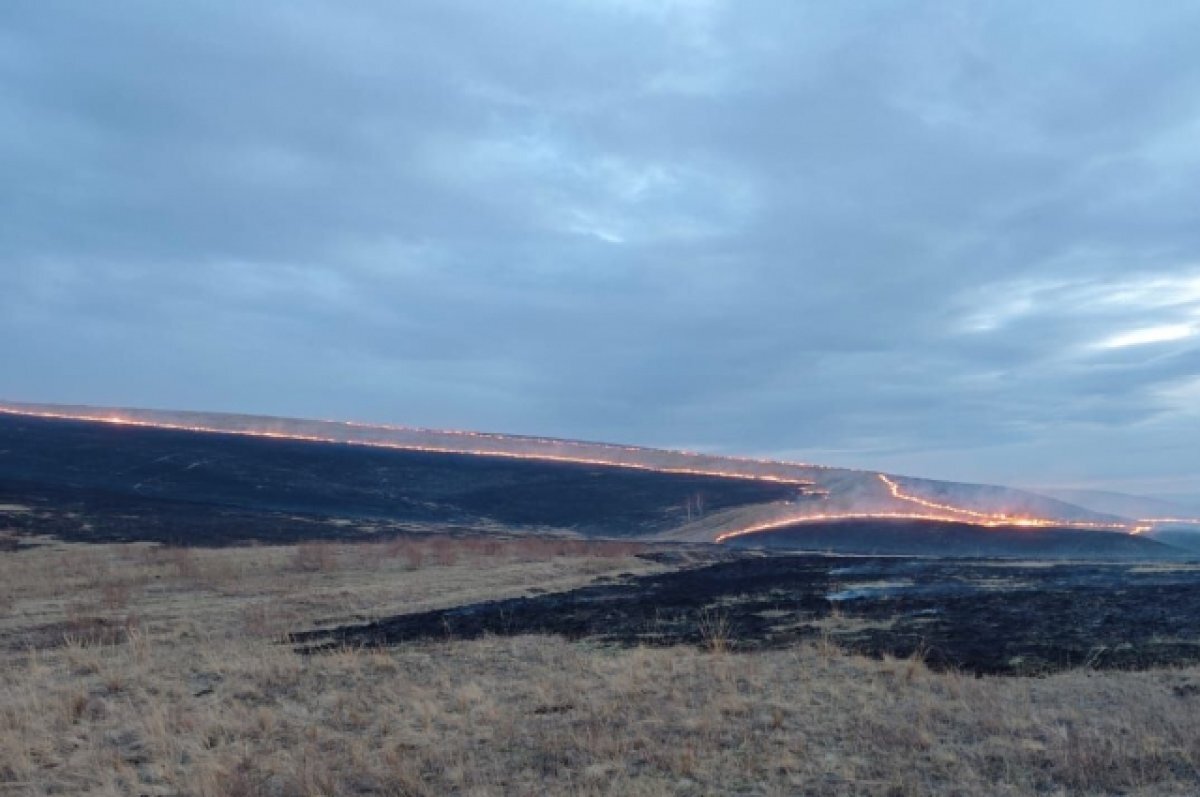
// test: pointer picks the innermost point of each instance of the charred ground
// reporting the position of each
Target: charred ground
(96, 482)
(103, 482)
(980, 616)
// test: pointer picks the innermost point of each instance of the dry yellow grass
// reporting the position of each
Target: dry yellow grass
(187, 692)
(269, 591)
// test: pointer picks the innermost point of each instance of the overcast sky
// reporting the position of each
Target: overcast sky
(946, 241)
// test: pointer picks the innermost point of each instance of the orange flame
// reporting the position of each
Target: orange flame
(1002, 519)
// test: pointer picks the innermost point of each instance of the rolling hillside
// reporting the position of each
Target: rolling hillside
(203, 478)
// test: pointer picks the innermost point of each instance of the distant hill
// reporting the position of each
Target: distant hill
(149, 470)
(1122, 504)
(211, 478)
(1189, 501)
(1178, 538)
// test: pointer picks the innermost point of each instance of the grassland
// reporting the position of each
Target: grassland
(137, 669)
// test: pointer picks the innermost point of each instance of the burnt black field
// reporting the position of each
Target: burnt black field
(977, 616)
(103, 482)
(954, 593)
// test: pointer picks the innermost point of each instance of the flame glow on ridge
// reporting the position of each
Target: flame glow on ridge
(943, 513)
(700, 470)
(929, 510)
(1003, 519)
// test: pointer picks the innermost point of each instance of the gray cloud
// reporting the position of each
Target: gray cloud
(958, 242)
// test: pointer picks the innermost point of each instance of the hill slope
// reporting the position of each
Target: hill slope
(203, 477)
(98, 463)
(1133, 506)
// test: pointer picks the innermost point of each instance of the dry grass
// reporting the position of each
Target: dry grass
(188, 693)
(172, 591)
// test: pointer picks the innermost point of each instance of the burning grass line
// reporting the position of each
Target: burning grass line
(118, 420)
(944, 513)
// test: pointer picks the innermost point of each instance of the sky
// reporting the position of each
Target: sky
(949, 240)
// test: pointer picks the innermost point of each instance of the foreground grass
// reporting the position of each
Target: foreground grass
(187, 692)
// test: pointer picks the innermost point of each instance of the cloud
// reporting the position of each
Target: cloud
(956, 241)
(1164, 333)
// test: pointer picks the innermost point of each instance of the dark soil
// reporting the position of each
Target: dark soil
(980, 616)
(99, 516)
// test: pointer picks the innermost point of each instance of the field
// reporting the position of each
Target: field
(100, 482)
(141, 669)
(978, 616)
(205, 614)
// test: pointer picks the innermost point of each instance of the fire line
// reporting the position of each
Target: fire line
(937, 511)
(944, 513)
(118, 420)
